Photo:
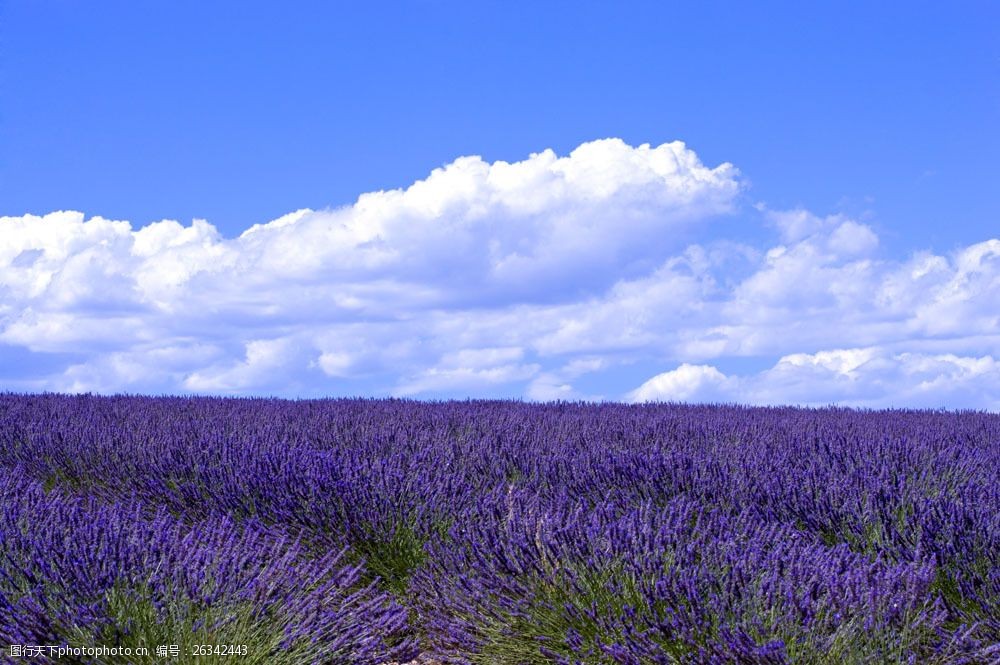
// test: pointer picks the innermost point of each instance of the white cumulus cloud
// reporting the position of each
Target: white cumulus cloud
(868, 377)
(702, 383)
(601, 274)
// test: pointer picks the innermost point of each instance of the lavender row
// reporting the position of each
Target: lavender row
(674, 583)
(76, 572)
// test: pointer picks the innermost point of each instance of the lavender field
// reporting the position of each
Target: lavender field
(372, 531)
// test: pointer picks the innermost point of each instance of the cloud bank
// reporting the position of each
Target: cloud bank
(571, 277)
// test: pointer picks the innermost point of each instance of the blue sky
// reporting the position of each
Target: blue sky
(844, 256)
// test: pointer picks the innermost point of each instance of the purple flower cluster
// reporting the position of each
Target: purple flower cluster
(502, 532)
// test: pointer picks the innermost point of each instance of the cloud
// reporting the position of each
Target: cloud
(556, 384)
(866, 377)
(151, 369)
(264, 361)
(601, 274)
(523, 231)
(471, 231)
(686, 383)
(469, 370)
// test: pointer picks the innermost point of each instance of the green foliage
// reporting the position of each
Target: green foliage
(567, 601)
(392, 558)
(137, 619)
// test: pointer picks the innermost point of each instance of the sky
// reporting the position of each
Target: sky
(765, 203)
